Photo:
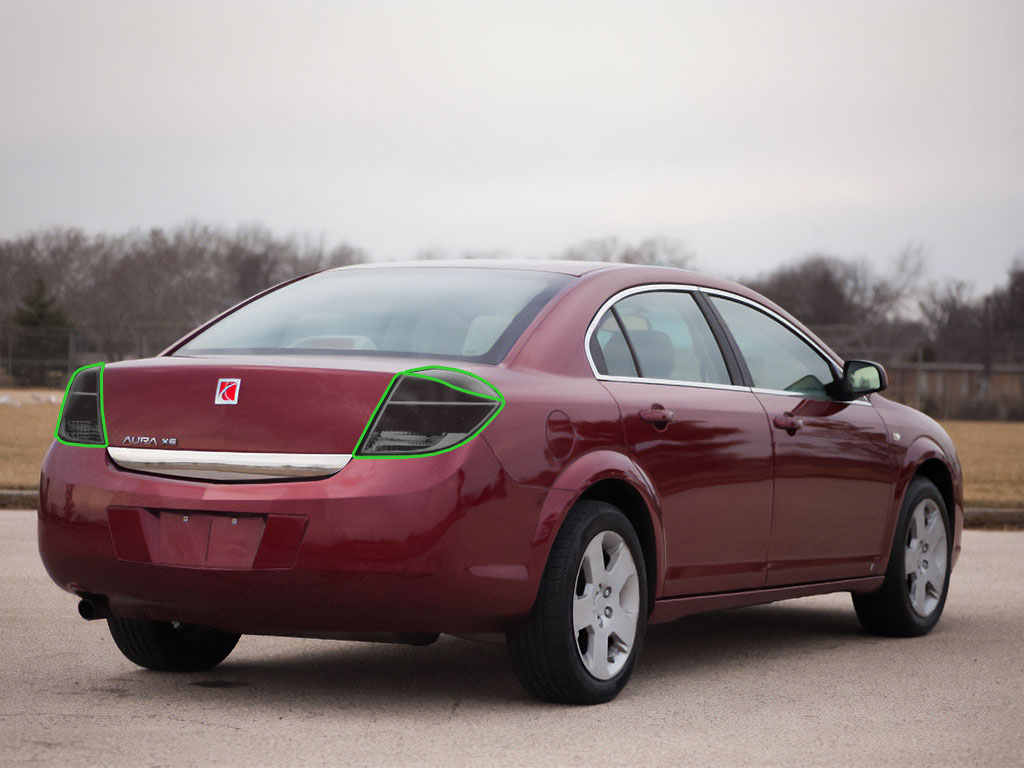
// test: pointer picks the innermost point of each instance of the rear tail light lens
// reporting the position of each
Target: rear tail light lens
(81, 415)
(427, 411)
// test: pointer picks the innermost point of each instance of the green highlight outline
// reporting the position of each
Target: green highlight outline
(500, 399)
(63, 403)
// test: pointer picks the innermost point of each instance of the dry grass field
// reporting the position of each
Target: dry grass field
(992, 453)
(28, 418)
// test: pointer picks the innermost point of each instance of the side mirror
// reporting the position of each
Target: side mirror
(860, 377)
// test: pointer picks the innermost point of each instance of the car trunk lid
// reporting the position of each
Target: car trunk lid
(276, 405)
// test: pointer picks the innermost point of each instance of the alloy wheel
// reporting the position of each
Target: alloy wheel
(606, 605)
(925, 561)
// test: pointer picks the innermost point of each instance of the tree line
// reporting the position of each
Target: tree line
(898, 313)
(66, 295)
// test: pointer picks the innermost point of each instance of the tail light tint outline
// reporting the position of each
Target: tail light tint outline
(99, 412)
(422, 373)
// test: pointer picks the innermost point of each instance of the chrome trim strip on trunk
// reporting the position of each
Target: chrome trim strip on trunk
(228, 465)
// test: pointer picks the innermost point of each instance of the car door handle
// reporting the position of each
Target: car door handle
(657, 415)
(787, 422)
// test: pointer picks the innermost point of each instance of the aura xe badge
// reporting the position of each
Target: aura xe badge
(143, 440)
(227, 391)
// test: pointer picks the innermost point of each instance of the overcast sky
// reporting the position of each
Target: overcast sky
(753, 132)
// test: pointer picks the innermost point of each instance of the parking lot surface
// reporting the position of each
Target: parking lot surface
(790, 684)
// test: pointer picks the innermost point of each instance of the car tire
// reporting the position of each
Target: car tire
(581, 640)
(169, 646)
(910, 600)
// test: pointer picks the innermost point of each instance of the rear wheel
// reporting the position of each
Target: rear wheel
(581, 640)
(913, 594)
(170, 646)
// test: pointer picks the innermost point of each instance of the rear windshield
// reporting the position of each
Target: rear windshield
(465, 314)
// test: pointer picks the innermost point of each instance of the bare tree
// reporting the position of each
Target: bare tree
(1006, 305)
(955, 323)
(986, 329)
(859, 311)
(132, 294)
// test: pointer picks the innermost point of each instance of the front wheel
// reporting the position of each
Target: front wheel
(169, 646)
(913, 594)
(581, 640)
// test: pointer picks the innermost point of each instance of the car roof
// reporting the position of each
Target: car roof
(610, 272)
(559, 266)
(614, 271)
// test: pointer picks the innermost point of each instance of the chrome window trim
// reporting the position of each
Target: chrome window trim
(228, 465)
(806, 396)
(834, 362)
(672, 382)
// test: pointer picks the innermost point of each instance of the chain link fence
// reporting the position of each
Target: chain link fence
(45, 356)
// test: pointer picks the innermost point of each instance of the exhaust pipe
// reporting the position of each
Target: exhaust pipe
(92, 607)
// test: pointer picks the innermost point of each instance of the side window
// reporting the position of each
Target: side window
(777, 357)
(670, 339)
(609, 349)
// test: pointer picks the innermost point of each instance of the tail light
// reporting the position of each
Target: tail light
(427, 411)
(81, 414)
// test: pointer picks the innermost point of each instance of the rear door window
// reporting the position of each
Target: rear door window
(609, 349)
(666, 337)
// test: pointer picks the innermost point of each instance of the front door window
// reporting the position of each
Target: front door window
(777, 358)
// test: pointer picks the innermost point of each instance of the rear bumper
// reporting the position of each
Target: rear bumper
(443, 543)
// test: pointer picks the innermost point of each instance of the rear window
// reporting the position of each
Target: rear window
(464, 314)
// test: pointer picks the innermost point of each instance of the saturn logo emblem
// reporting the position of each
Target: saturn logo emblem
(227, 391)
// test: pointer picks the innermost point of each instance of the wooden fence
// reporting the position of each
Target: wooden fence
(959, 390)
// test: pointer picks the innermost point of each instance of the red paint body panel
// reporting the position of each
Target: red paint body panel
(922, 440)
(713, 471)
(186, 538)
(833, 491)
(442, 543)
(457, 542)
(183, 539)
(284, 406)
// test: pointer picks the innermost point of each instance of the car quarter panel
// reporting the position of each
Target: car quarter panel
(548, 421)
(564, 434)
(589, 470)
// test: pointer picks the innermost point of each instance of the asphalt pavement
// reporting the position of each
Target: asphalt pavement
(790, 684)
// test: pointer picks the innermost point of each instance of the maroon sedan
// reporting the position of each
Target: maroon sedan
(560, 452)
